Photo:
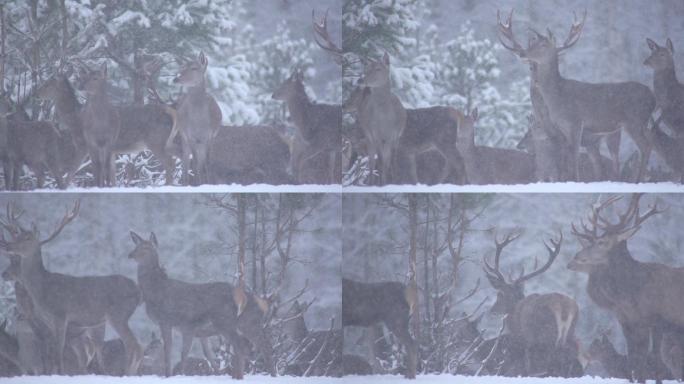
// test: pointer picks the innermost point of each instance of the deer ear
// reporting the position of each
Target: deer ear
(203, 60)
(153, 238)
(551, 37)
(136, 238)
(386, 59)
(474, 114)
(627, 234)
(651, 44)
(104, 69)
(669, 45)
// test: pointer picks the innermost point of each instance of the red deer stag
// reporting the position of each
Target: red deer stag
(542, 324)
(642, 295)
(87, 302)
(578, 108)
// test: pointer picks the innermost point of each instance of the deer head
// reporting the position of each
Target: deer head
(511, 291)
(192, 73)
(376, 73)
(294, 85)
(600, 237)
(145, 252)
(26, 242)
(661, 57)
(94, 82)
(355, 100)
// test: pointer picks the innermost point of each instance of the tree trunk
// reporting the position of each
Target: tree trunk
(241, 217)
(426, 257)
(65, 28)
(255, 244)
(413, 284)
(2, 49)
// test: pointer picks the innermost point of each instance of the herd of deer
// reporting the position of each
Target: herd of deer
(540, 338)
(189, 129)
(62, 318)
(570, 120)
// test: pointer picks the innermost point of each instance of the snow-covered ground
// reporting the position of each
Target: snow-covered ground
(570, 187)
(305, 380)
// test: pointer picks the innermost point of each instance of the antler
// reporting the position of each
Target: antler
(321, 30)
(13, 215)
(506, 30)
(68, 217)
(495, 271)
(628, 220)
(553, 254)
(575, 32)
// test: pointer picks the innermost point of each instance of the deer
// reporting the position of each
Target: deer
(669, 147)
(426, 129)
(382, 116)
(198, 119)
(636, 292)
(578, 108)
(9, 348)
(389, 303)
(317, 124)
(189, 307)
(544, 324)
(101, 126)
(669, 92)
(61, 300)
(545, 148)
(146, 126)
(248, 154)
(614, 363)
(489, 165)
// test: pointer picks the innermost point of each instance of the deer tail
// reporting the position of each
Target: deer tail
(411, 297)
(174, 127)
(240, 299)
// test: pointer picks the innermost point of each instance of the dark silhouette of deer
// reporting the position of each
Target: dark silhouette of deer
(389, 303)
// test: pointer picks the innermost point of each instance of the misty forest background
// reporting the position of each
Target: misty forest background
(197, 243)
(376, 248)
(446, 52)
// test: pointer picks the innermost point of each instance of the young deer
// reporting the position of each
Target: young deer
(318, 125)
(381, 116)
(86, 302)
(669, 92)
(198, 119)
(101, 126)
(390, 303)
(631, 289)
(191, 308)
(426, 129)
(543, 324)
(614, 363)
(576, 107)
(488, 165)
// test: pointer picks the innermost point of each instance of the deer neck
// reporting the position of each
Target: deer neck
(150, 279)
(298, 105)
(664, 84)
(197, 92)
(548, 78)
(34, 276)
(66, 103)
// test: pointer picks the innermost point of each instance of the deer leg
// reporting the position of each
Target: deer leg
(209, 353)
(133, 350)
(400, 328)
(60, 334)
(239, 351)
(187, 339)
(167, 341)
(186, 154)
(613, 144)
(332, 161)
(639, 137)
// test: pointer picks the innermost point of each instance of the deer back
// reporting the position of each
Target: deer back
(539, 319)
(248, 154)
(364, 304)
